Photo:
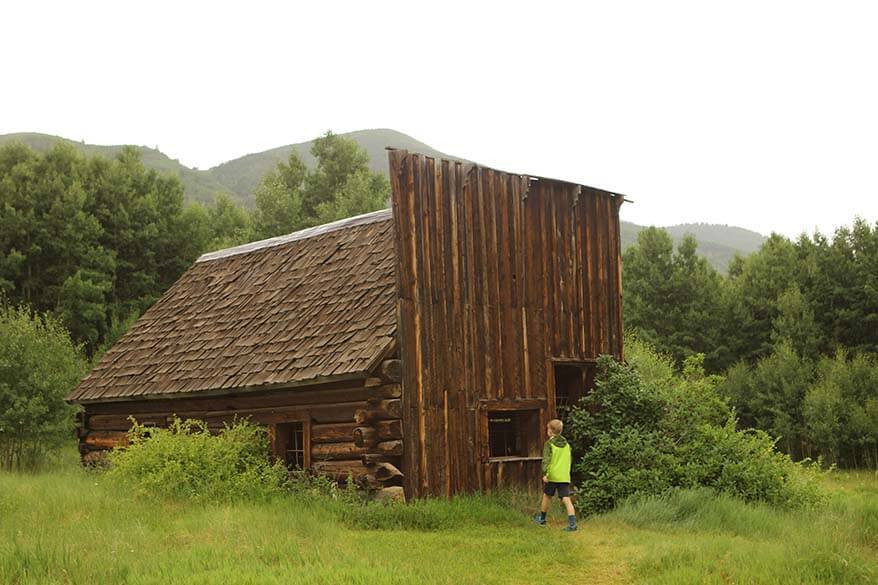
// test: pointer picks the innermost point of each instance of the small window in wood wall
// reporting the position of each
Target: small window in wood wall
(292, 444)
(513, 433)
(572, 382)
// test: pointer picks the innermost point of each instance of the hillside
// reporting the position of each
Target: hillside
(199, 185)
(717, 243)
(242, 175)
(239, 177)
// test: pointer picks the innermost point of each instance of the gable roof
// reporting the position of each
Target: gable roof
(314, 305)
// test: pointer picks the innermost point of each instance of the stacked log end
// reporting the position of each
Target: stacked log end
(367, 448)
(379, 435)
(94, 445)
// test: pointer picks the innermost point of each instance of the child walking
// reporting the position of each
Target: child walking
(557, 459)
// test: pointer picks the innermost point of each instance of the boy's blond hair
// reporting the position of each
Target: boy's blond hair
(555, 426)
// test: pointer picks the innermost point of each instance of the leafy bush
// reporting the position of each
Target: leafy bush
(187, 461)
(646, 438)
(39, 365)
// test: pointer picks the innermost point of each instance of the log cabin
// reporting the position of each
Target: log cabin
(421, 348)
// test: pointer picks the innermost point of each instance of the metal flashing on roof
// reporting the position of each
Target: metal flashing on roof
(380, 215)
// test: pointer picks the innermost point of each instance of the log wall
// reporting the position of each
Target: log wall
(335, 414)
(497, 276)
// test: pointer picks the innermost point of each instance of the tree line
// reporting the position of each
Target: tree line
(793, 328)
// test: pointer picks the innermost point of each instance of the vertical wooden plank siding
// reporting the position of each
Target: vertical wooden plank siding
(497, 275)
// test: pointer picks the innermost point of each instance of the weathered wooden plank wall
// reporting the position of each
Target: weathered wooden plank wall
(497, 274)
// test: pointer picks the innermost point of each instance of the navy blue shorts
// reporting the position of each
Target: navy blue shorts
(551, 487)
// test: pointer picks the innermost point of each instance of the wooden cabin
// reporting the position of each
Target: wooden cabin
(424, 346)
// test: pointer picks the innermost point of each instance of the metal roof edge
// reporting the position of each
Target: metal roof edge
(318, 381)
(310, 232)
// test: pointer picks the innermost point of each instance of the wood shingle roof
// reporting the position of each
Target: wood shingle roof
(316, 304)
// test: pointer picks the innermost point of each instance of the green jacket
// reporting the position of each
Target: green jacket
(557, 459)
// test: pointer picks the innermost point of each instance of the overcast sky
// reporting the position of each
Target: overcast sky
(758, 114)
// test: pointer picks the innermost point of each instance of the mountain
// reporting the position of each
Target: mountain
(199, 185)
(242, 175)
(717, 243)
(239, 178)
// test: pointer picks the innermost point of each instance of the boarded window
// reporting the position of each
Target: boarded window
(513, 433)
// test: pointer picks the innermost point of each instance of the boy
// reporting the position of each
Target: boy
(557, 459)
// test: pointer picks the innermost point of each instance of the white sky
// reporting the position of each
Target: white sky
(759, 114)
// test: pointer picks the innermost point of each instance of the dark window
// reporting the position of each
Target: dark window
(291, 440)
(572, 382)
(513, 433)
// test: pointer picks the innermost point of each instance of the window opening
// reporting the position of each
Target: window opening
(292, 442)
(572, 382)
(513, 433)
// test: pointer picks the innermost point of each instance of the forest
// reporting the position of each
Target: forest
(789, 333)
(792, 330)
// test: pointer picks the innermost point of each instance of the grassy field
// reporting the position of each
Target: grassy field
(70, 527)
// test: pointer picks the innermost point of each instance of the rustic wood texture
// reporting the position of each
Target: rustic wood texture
(386, 430)
(105, 439)
(329, 411)
(341, 470)
(391, 370)
(315, 305)
(335, 451)
(365, 437)
(379, 410)
(497, 274)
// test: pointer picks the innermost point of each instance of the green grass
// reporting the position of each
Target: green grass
(69, 526)
(698, 536)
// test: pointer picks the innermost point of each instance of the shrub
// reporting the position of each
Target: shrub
(187, 461)
(647, 438)
(653, 367)
(39, 365)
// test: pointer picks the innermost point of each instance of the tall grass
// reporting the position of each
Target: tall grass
(74, 527)
(713, 538)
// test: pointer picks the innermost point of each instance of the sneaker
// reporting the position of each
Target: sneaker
(539, 520)
(569, 528)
